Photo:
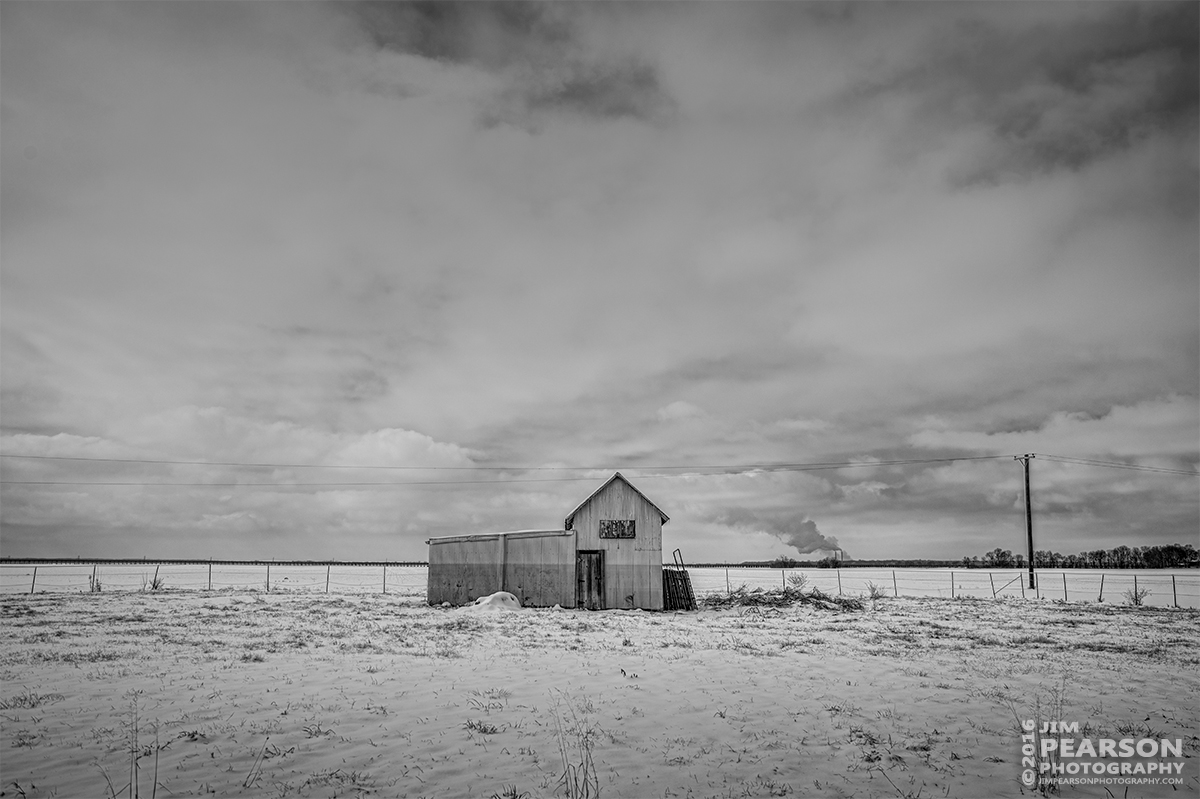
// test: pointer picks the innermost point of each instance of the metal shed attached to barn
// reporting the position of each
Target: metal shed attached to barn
(537, 566)
(608, 555)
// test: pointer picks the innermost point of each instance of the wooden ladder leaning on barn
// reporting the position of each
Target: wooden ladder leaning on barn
(677, 585)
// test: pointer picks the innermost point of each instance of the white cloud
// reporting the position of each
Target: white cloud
(679, 410)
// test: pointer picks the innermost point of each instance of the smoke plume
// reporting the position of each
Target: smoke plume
(795, 530)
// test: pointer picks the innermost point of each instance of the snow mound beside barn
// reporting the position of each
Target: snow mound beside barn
(501, 600)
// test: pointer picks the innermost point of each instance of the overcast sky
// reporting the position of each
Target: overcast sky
(604, 235)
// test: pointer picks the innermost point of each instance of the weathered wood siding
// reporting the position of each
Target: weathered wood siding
(655, 586)
(633, 567)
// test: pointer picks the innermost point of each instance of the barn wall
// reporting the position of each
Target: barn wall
(540, 570)
(538, 567)
(655, 592)
(463, 569)
(632, 567)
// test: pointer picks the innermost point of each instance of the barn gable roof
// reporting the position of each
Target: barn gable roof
(622, 478)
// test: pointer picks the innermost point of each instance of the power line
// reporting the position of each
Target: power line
(1117, 465)
(286, 465)
(778, 466)
(739, 468)
(293, 485)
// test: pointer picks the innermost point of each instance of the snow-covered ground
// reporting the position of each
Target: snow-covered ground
(302, 694)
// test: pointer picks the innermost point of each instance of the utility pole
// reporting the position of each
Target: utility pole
(1025, 459)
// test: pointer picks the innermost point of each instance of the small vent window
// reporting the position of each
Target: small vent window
(616, 528)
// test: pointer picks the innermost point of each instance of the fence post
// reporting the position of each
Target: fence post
(992, 580)
(839, 573)
(1064, 586)
(895, 590)
(32, 584)
(327, 578)
(783, 573)
(1174, 594)
(502, 543)
(268, 578)
(1022, 582)
(385, 579)
(210, 574)
(154, 581)
(952, 583)
(728, 590)
(1101, 597)
(1135, 585)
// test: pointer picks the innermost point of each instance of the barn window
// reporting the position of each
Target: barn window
(616, 528)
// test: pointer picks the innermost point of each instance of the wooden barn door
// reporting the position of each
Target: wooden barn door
(589, 579)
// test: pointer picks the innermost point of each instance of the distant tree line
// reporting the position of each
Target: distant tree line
(1168, 556)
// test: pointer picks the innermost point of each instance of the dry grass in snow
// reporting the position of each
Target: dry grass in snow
(289, 695)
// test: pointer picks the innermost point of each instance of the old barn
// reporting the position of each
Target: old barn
(608, 555)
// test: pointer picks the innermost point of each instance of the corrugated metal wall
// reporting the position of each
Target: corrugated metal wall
(463, 569)
(540, 570)
(538, 567)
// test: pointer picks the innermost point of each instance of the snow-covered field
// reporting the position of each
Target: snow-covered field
(302, 694)
(1167, 588)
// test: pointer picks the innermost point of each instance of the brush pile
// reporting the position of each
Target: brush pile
(780, 597)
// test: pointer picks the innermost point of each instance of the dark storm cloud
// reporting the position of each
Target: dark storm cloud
(494, 34)
(536, 46)
(1059, 93)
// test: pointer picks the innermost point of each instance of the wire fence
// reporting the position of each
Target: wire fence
(1151, 587)
(76, 577)
(1157, 588)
